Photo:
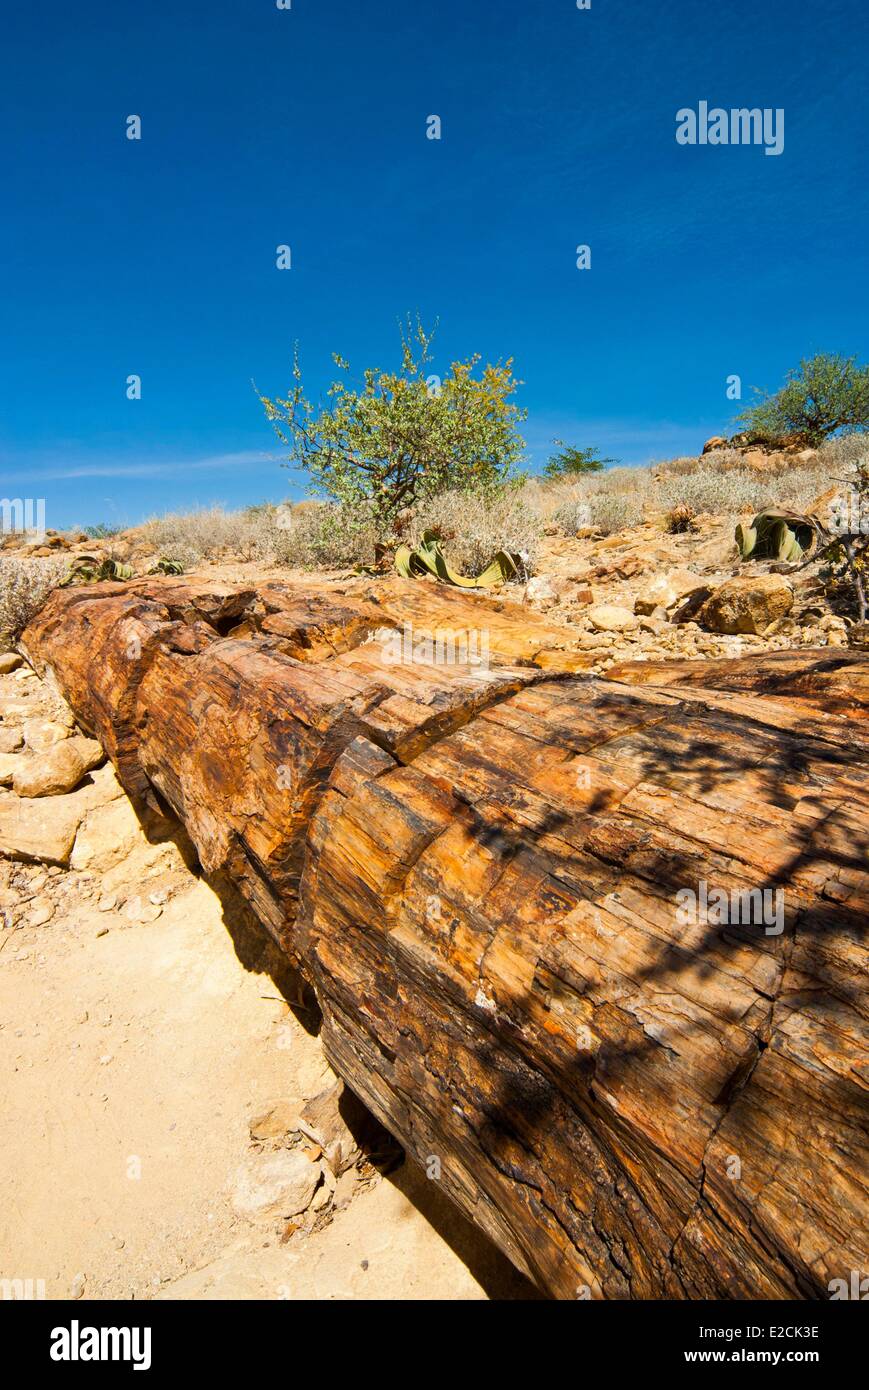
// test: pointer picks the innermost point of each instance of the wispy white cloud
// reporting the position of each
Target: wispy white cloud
(35, 471)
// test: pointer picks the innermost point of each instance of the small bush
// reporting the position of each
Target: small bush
(209, 534)
(843, 452)
(709, 490)
(623, 497)
(24, 587)
(718, 461)
(307, 536)
(101, 532)
(571, 461)
(678, 467)
(323, 536)
(615, 511)
(607, 501)
(573, 512)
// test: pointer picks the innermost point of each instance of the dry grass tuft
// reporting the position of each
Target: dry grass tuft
(25, 584)
(473, 526)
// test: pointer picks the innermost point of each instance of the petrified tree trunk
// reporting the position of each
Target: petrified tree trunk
(487, 874)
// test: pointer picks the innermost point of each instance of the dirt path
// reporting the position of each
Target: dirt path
(132, 1064)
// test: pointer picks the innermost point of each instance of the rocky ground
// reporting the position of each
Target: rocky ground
(643, 594)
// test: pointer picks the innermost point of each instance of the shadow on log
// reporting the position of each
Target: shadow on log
(592, 949)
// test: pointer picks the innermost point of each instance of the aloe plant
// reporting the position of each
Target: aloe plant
(776, 535)
(428, 558)
(88, 569)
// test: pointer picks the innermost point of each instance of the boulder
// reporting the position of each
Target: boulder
(716, 442)
(757, 458)
(59, 770)
(42, 734)
(610, 617)
(39, 830)
(109, 835)
(9, 661)
(665, 590)
(747, 603)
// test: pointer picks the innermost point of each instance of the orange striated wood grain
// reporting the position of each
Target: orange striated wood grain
(480, 871)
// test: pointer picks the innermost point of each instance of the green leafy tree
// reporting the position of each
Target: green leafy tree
(401, 437)
(570, 461)
(824, 394)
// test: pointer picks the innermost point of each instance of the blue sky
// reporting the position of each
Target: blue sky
(308, 127)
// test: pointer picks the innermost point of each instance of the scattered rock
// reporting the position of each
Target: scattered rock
(9, 661)
(111, 834)
(327, 1119)
(137, 911)
(10, 740)
(40, 830)
(42, 734)
(42, 911)
(747, 604)
(609, 617)
(275, 1184)
(540, 587)
(665, 590)
(322, 1198)
(107, 904)
(58, 770)
(280, 1119)
(76, 1288)
(345, 1187)
(9, 764)
(654, 622)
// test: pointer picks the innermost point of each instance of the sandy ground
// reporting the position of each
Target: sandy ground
(131, 1063)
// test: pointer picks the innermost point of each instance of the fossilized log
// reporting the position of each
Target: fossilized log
(482, 870)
